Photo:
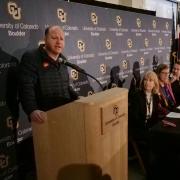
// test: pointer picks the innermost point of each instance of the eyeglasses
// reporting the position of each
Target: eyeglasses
(166, 73)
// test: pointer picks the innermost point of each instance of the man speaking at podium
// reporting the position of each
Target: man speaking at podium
(43, 79)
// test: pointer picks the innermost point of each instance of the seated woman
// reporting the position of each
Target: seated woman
(168, 101)
(144, 107)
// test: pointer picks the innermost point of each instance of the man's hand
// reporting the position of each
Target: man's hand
(38, 116)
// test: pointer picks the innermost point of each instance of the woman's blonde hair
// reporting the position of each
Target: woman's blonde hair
(151, 75)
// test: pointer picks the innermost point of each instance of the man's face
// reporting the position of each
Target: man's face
(55, 41)
(176, 70)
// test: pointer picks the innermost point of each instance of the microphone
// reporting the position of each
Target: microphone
(62, 59)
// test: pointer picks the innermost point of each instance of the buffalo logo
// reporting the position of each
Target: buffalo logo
(154, 24)
(160, 42)
(108, 44)
(119, 20)
(138, 22)
(103, 68)
(167, 25)
(9, 122)
(113, 85)
(81, 45)
(170, 41)
(146, 42)
(142, 61)
(14, 10)
(74, 74)
(115, 110)
(62, 15)
(167, 56)
(129, 43)
(41, 42)
(3, 161)
(124, 64)
(94, 18)
(90, 93)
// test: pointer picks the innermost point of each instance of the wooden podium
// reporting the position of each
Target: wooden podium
(85, 139)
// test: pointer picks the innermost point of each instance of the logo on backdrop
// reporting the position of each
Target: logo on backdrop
(103, 68)
(160, 42)
(119, 20)
(167, 25)
(124, 64)
(129, 43)
(146, 42)
(62, 15)
(94, 18)
(115, 110)
(74, 74)
(154, 25)
(142, 61)
(108, 44)
(90, 93)
(3, 161)
(81, 45)
(167, 57)
(14, 10)
(170, 41)
(138, 22)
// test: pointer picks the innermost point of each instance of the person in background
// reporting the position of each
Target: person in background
(144, 115)
(43, 79)
(168, 101)
(175, 81)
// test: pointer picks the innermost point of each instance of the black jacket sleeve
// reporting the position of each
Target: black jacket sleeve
(27, 82)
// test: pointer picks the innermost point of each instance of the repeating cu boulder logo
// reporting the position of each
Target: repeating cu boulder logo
(108, 44)
(160, 42)
(119, 20)
(94, 18)
(61, 15)
(138, 22)
(142, 61)
(167, 25)
(81, 45)
(4, 161)
(10, 124)
(103, 68)
(167, 56)
(130, 43)
(90, 93)
(74, 74)
(14, 10)
(115, 110)
(170, 41)
(154, 24)
(124, 64)
(146, 42)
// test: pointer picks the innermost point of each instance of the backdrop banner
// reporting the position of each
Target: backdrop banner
(115, 46)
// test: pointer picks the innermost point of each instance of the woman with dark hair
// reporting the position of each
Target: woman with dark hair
(168, 101)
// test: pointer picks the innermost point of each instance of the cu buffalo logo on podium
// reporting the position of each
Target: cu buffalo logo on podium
(154, 24)
(61, 15)
(81, 45)
(119, 20)
(14, 10)
(94, 18)
(74, 74)
(108, 44)
(138, 22)
(115, 110)
(4, 161)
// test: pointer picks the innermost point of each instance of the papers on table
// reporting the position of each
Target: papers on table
(173, 115)
(178, 107)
